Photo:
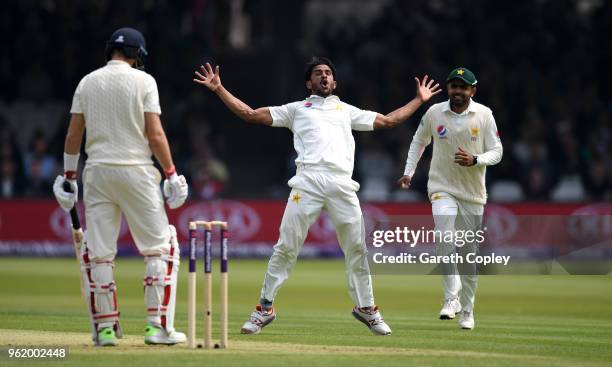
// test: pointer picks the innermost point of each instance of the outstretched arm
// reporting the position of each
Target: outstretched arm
(424, 91)
(212, 81)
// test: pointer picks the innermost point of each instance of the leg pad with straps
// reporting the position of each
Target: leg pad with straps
(160, 284)
(100, 287)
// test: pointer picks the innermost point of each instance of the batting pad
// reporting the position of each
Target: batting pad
(103, 296)
(160, 284)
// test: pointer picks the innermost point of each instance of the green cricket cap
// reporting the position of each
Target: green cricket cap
(464, 74)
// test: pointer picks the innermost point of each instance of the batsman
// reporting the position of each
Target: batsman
(118, 105)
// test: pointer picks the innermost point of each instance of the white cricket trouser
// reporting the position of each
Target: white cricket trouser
(312, 191)
(110, 190)
(451, 214)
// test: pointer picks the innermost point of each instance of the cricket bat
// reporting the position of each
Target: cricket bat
(77, 240)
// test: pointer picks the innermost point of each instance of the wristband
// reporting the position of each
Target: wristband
(170, 171)
(70, 175)
(71, 163)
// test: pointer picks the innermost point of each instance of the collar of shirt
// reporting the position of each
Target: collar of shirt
(331, 97)
(471, 108)
(118, 63)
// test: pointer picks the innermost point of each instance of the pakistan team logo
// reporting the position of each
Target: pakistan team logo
(474, 131)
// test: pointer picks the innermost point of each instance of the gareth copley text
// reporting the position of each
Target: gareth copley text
(426, 258)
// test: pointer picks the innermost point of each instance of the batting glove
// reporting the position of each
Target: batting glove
(66, 200)
(175, 190)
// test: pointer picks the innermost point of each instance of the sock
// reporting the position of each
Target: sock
(265, 304)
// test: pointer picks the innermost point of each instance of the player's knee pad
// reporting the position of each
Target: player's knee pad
(160, 283)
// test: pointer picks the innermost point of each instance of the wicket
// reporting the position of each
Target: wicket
(191, 308)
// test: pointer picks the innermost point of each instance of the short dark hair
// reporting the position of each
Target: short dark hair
(318, 60)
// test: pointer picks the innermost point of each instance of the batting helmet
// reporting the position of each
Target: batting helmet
(131, 43)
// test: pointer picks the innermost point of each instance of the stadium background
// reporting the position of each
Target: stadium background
(541, 67)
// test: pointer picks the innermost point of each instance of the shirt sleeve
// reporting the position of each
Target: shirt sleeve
(492, 144)
(361, 120)
(423, 133)
(77, 103)
(414, 155)
(151, 98)
(420, 140)
(282, 116)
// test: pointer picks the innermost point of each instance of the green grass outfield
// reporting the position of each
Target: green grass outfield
(520, 320)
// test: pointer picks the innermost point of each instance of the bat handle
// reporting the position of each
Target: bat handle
(66, 186)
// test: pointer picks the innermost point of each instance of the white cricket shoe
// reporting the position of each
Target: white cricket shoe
(449, 309)
(466, 320)
(156, 335)
(372, 318)
(258, 320)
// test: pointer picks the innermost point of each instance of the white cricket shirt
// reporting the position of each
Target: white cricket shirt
(322, 131)
(475, 131)
(113, 100)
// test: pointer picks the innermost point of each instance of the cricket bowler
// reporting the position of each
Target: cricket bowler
(322, 135)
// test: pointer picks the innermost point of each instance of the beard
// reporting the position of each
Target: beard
(323, 92)
(459, 101)
(323, 89)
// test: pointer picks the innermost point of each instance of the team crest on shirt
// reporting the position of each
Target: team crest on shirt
(308, 104)
(474, 131)
(442, 131)
(296, 198)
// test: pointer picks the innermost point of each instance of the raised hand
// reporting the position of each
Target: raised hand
(425, 90)
(208, 77)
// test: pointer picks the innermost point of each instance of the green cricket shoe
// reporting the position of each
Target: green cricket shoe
(107, 337)
(157, 335)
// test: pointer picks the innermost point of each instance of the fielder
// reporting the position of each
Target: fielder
(321, 126)
(118, 104)
(465, 143)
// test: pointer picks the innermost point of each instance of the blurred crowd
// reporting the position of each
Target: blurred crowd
(541, 65)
